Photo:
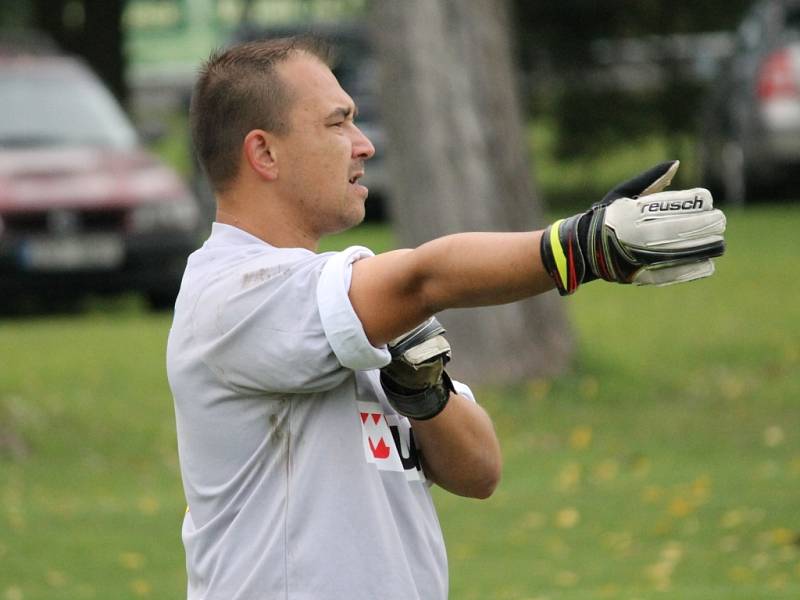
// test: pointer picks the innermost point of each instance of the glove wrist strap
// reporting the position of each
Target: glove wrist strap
(607, 259)
(563, 249)
(418, 404)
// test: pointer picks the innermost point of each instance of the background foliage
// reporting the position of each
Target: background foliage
(666, 464)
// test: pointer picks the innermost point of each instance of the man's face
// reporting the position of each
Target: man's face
(322, 157)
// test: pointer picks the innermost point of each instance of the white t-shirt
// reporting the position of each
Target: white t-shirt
(302, 482)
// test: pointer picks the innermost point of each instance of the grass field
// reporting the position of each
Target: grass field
(665, 465)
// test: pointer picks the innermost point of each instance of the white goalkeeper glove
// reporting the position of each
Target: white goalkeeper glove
(637, 234)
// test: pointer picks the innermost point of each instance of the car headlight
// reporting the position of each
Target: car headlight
(182, 214)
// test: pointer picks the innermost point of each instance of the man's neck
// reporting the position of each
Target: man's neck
(277, 232)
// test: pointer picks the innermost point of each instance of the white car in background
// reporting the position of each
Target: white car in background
(750, 130)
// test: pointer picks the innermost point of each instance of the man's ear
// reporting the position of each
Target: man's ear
(260, 153)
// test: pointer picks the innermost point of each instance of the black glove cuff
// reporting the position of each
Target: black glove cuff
(420, 405)
(582, 229)
(607, 259)
(563, 252)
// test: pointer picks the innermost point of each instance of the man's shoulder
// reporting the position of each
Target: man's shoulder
(232, 251)
(236, 274)
(242, 272)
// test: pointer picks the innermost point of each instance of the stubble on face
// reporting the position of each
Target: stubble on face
(317, 154)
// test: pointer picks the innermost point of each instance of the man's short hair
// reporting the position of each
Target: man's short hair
(238, 90)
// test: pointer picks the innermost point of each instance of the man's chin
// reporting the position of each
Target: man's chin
(354, 216)
(357, 217)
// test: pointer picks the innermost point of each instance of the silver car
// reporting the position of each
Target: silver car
(750, 130)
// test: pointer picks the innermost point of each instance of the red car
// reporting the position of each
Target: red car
(83, 207)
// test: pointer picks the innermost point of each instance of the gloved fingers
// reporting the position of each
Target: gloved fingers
(664, 204)
(663, 180)
(419, 334)
(428, 350)
(648, 182)
(667, 220)
(418, 357)
(414, 377)
(674, 273)
(684, 231)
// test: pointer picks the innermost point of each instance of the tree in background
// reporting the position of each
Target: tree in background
(591, 117)
(90, 28)
(458, 162)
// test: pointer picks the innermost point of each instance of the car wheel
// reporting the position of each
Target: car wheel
(161, 300)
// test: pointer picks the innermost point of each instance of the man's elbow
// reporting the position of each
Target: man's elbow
(478, 482)
(487, 486)
(484, 482)
(486, 468)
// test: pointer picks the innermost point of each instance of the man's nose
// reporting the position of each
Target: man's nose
(362, 147)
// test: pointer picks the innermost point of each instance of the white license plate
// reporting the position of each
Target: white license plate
(73, 253)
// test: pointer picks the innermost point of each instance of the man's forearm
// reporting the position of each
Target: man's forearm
(395, 291)
(637, 234)
(479, 269)
(459, 448)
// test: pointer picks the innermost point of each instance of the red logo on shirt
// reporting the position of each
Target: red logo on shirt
(389, 441)
(380, 450)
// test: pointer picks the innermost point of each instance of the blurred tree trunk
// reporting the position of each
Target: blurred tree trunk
(92, 29)
(456, 153)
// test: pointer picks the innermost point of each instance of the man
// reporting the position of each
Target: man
(308, 433)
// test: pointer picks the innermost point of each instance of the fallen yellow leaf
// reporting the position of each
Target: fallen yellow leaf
(539, 388)
(652, 494)
(567, 518)
(131, 560)
(609, 590)
(701, 489)
(55, 578)
(581, 437)
(759, 561)
(141, 587)
(680, 508)
(463, 551)
(566, 579)
(660, 570)
(619, 541)
(783, 536)
(672, 552)
(641, 466)
(589, 387)
(606, 470)
(740, 574)
(732, 518)
(533, 520)
(14, 592)
(148, 505)
(779, 581)
(773, 436)
(569, 477)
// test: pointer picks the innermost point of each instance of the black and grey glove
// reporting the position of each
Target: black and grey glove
(415, 382)
(637, 234)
